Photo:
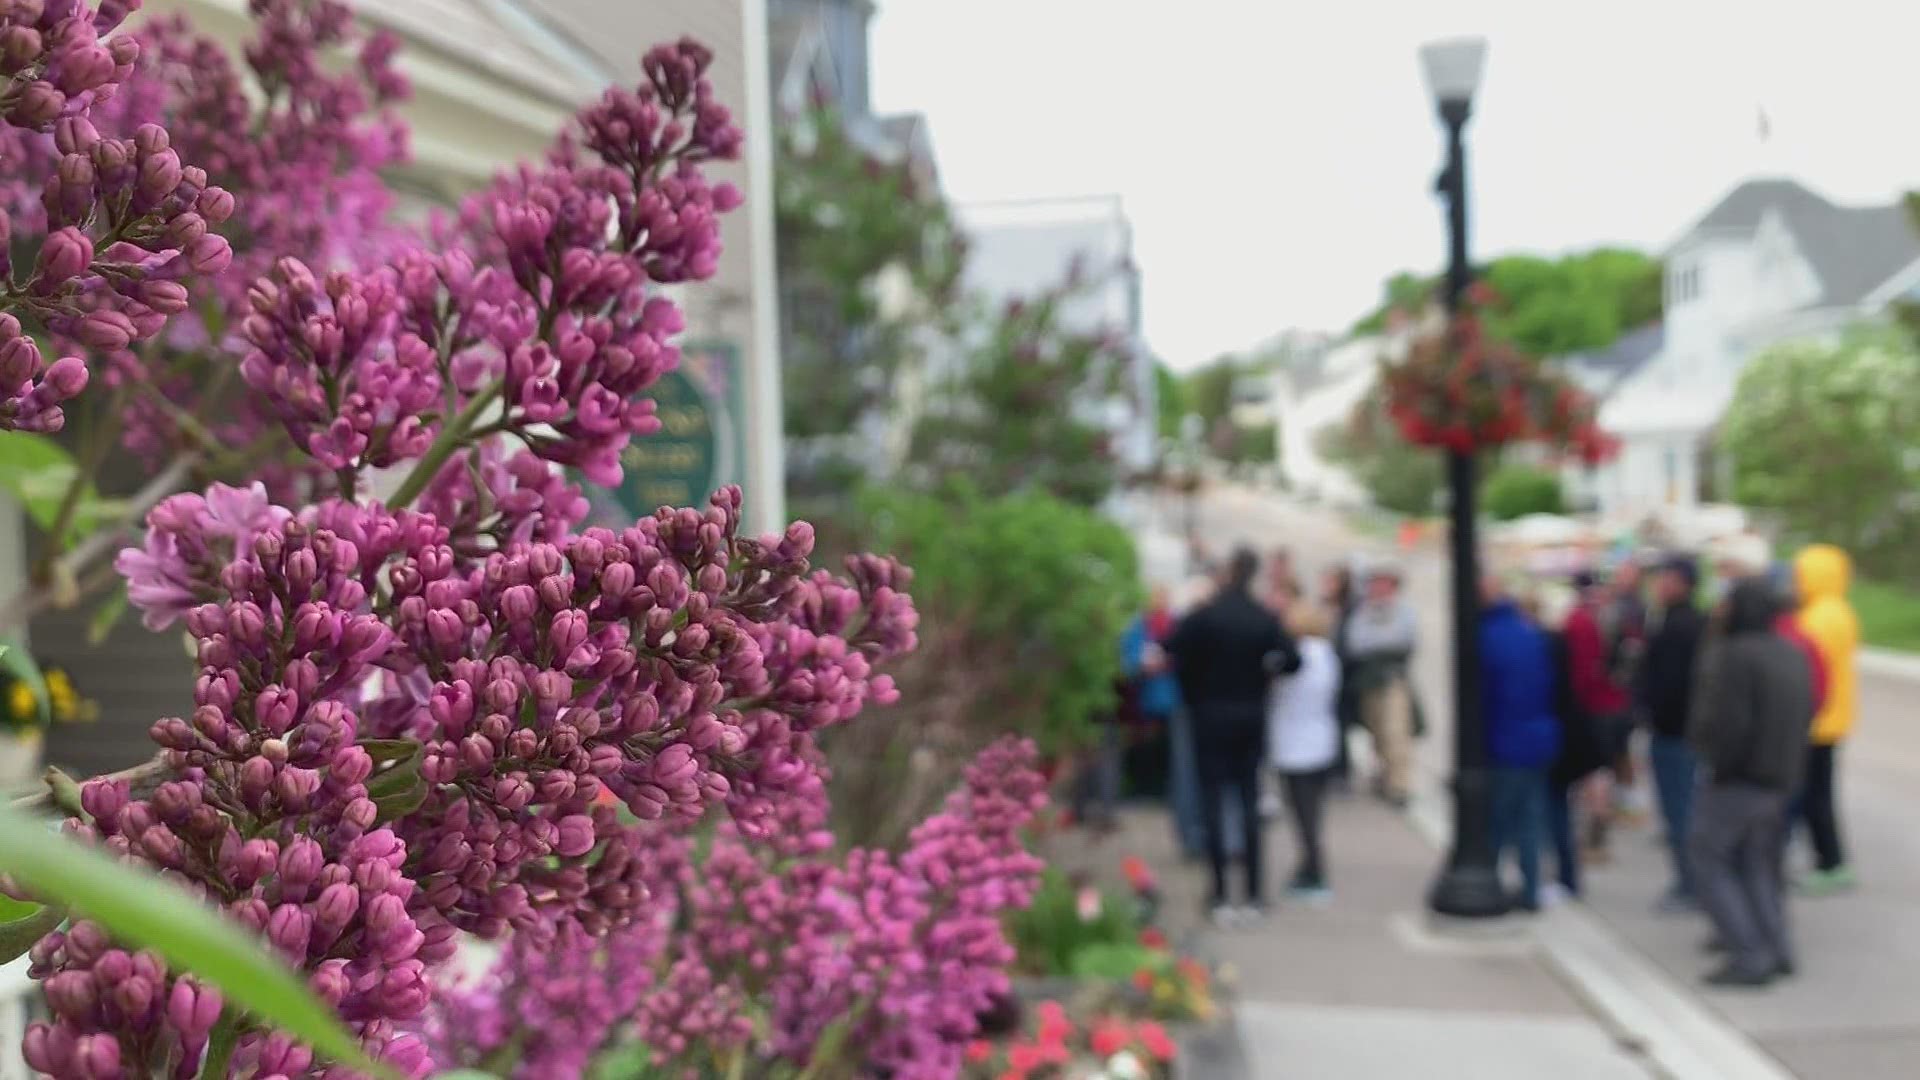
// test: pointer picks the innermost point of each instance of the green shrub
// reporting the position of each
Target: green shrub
(1038, 591)
(1053, 939)
(1514, 491)
(1112, 961)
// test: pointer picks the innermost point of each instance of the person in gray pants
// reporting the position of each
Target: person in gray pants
(1752, 710)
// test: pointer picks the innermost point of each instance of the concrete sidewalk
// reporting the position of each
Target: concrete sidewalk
(1365, 988)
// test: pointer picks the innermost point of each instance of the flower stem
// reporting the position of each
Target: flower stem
(220, 1044)
(451, 438)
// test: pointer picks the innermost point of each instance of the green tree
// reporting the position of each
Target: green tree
(845, 222)
(1827, 436)
(1514, 491)
(1021, 411)
(1209, 392)
(1171, 393)
(1549, 307)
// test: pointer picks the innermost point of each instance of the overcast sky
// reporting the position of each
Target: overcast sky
(1276, 156)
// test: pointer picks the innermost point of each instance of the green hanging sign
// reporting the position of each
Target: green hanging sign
(701, 444)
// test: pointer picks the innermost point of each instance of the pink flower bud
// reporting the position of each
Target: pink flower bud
(97, 1057)
(66, 378)
(215, 204)
(75, 135)
(166, 297)
(337, 906)
(70, 994)
(150, 139)
(107, 331)
(125, 49)
(66, 254)
(38, 105)
(210, 254)
(135, 996)
(19, 46)
(193, 1009)
(159, 174)
(576, 836)
(104, 799)
(83, 69)
(290, 928)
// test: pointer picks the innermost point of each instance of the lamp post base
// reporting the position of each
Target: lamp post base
(1469, 887)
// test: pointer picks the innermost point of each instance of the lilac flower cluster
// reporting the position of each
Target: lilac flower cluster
(297, 139)
(125, 221)
(778, 943)
(466, 714)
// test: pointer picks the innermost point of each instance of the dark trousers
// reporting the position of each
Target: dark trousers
(1096, 789)
(1673, 781)
(1736, 865)
(1566, 853)
(1818, 807)
(1306, 801)
(1519, 817)
(1230, 768)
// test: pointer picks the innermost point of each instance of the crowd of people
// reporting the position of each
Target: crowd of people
(1733, 681)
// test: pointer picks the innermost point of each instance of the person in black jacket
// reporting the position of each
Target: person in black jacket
(1663, 699)
(1749, 729)
(1226, 655)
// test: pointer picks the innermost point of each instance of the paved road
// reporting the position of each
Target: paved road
(1854, 1012)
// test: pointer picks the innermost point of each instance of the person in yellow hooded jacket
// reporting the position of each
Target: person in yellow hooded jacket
(1823, 574)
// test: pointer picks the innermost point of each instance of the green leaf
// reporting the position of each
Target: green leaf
(147, 911)
(397, 790)
(389, 749)
(37, 471)
(17, 662)
(19, 935)
(399, 804)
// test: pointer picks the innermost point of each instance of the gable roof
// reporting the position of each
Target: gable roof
(1602, 371)
(1852, 249)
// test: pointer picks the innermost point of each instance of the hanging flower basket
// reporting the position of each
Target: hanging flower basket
(1457, 389)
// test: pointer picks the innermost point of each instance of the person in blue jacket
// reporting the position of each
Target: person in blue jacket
(1523, 732)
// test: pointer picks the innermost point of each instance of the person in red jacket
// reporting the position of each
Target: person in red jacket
(1788, 626)
(1591, 671)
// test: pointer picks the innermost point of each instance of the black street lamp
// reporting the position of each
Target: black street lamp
(1469, 886)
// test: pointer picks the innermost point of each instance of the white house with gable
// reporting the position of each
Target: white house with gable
(1771, 261)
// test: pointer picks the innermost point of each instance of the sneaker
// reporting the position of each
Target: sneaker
(1310, 895)
(1251, 914)
(1733, 978)
(1224, 916)
(1832, 882)
(1553, 894)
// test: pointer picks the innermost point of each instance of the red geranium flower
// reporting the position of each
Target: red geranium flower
(1155, 1041)
(1110, 1037)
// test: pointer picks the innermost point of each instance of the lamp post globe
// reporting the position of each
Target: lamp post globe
(1469, 883)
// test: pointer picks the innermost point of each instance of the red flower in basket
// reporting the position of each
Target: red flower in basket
(979, 1052)
(1152, 938)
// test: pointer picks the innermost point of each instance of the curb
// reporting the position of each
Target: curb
(1643, 1007)
(1889, 664)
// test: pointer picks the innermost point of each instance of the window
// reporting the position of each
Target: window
(1683, 284)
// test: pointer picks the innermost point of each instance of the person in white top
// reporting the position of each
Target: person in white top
(1303, 741)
